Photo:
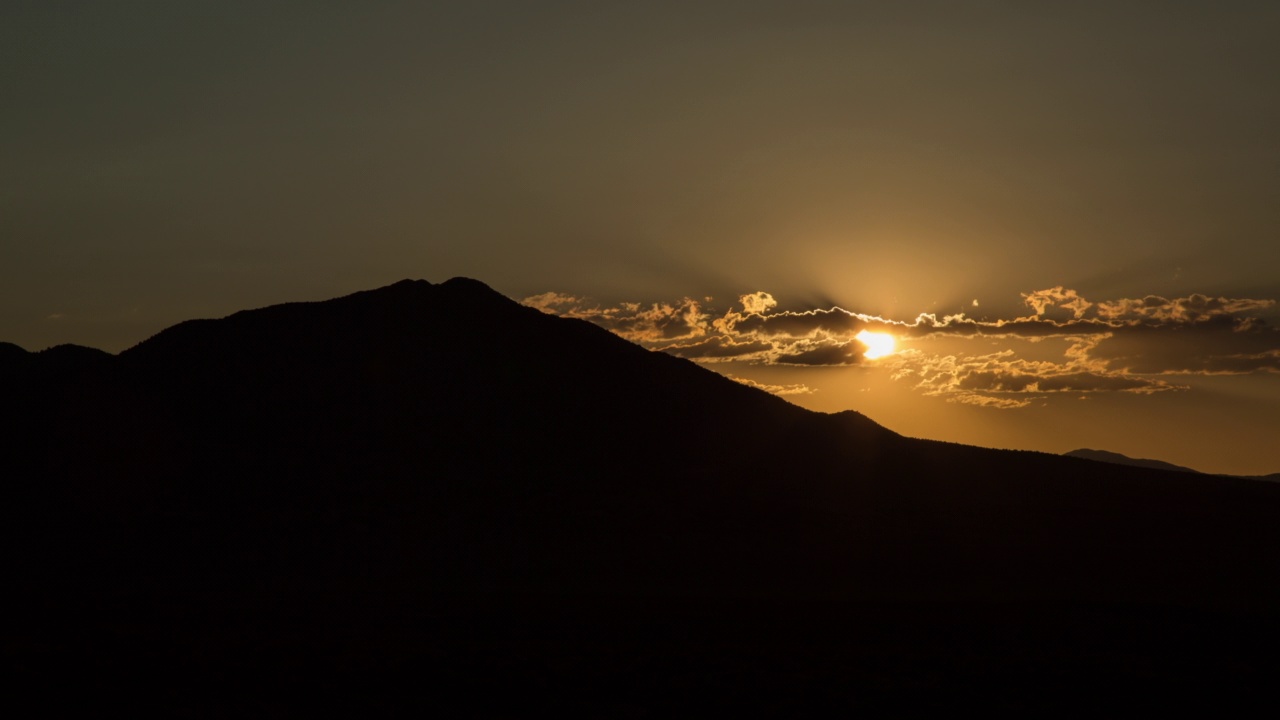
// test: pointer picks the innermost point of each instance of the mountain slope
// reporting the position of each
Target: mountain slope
(341, 486)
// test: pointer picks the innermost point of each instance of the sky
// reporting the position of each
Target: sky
(1068, 214)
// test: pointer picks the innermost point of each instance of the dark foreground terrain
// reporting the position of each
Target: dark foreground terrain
(429, 498)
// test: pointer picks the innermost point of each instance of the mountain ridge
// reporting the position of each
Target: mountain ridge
(365, 474)
(1119, 459)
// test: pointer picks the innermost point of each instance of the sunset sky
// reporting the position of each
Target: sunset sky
(1067, 214)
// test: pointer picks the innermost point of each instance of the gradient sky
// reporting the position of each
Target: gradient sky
(1095, 186)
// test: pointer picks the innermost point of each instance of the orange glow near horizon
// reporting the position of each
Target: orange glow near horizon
(878, 344)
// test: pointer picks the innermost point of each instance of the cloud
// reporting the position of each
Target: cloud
(1191, 309)
(1125, 345)
(999, 403)
(835, 321)
(998, 379)
(719, 347)
(821, 353)
(551, 302)
(1211, 346)
(775, 389)
(643, 324)
(1042, 301)
(1268, 361)
(758, 303)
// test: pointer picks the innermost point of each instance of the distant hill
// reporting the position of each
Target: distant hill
(1118, 459)
(429, 497)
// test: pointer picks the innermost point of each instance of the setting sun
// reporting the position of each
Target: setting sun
(878, 344)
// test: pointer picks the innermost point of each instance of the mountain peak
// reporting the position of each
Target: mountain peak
(474, 290)
(461, 282)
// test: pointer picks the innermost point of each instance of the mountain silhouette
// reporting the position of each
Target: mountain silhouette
(1118, 459)
(428, 496)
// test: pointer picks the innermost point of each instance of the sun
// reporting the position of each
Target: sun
(878, 344)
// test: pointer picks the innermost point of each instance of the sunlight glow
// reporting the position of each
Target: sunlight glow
(878, 344)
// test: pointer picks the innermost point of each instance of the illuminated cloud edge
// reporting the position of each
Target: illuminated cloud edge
(1128, 345)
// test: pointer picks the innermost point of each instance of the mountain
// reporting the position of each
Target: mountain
(429, 497)
(1118, 459)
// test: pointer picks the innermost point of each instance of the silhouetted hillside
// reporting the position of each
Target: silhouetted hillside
(430, 497)
(1118, 459)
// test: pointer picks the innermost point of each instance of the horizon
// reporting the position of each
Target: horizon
(642, 326)
(1065, 217)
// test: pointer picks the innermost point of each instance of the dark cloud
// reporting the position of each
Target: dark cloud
(1240, 364)
(835, 321)
(821, 354)
(1096, 382)
(1215, 345)
(1029, 327)
(1014, 381)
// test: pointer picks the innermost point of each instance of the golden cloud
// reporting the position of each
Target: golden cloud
(1130, 345)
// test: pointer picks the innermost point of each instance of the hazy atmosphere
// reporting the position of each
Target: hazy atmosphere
(1064, 216)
